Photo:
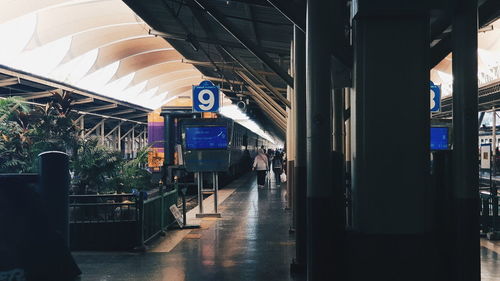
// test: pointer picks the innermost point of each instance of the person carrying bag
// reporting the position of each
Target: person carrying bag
(260, 164)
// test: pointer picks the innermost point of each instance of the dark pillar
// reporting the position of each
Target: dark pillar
(338, 120)
(300, 182)
(168, 149)
(53, 187)
(320, 225)
(390, 142)
(465, 170)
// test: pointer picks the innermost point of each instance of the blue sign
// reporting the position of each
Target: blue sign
(206, 137)
(206, 97)
(439, 138)
(435, 98)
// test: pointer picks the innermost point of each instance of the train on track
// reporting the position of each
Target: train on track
(166, 152)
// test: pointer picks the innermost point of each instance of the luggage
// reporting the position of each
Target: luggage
(283, 177)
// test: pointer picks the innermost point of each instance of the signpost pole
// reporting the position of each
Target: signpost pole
(200, 192)
(216, 189)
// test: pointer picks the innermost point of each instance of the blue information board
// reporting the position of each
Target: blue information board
(439, 138)
(435, 98)
(206, 137)
(206, 97)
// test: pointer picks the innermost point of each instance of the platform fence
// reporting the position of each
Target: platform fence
(118, 221)
(489, 210)
(153, 222)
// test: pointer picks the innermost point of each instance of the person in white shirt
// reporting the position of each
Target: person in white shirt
(261, 165)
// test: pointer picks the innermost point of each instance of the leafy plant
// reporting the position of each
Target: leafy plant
(15, 142)
(134, 174)
(95, 166)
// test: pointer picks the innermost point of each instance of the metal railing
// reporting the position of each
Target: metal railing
(154, 214)
(102, 208)
(103, 217)
(489, 210)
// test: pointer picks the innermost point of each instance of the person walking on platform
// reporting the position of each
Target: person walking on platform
(261, 165)
(277, 166)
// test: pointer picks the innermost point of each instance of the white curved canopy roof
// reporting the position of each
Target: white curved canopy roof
(488, 61)
(98, 45)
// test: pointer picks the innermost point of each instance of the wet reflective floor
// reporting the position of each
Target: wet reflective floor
(250, 242)
(490, 261)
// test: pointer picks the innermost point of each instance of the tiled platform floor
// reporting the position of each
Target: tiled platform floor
(250, 242)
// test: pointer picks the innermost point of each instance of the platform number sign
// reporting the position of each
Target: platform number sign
(435, 93)
(206, 97)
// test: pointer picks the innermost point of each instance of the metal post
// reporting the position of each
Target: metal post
(338, 120)
(82, 126)
(167, 145)
(466, 264)
(119, 139)
(102, 132)
(299, 188)
(216, 188)
(347, 156)
(162, 208)
(133, 143)
(54, 189)
(494, 135)
(492, 233)
(320, 229)
(140, 207)
(200, 192)
(184, 219)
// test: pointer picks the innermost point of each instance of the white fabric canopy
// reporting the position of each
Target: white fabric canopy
(101, 46)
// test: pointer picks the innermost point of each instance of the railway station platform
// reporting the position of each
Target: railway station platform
(250, 242)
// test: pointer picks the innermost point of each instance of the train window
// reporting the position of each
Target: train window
(490, 140)
(482, 140)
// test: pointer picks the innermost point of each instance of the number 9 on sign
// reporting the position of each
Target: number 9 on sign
(206, 99)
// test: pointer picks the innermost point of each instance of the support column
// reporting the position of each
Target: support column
(119, 139)
(320, 225)
(102, 136)
(466, 264)
(347, 155)
(299, 187)
(82, 126)
(133, 143)
(390, 143)
(53, 187)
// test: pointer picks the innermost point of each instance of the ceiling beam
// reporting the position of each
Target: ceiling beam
(192, 38)
(291, 11)
(59, 85)
(139, 115)
(183, 37)
(101, 123)
(114, 129)
(245, 41)
(263, 94)
(235, 82)
(269, 110)
(488, 12)
(9, 82)
(224, 66)
(36, 95)
(126, 111)
(82, 101)
(100, 108)
(259, 78)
